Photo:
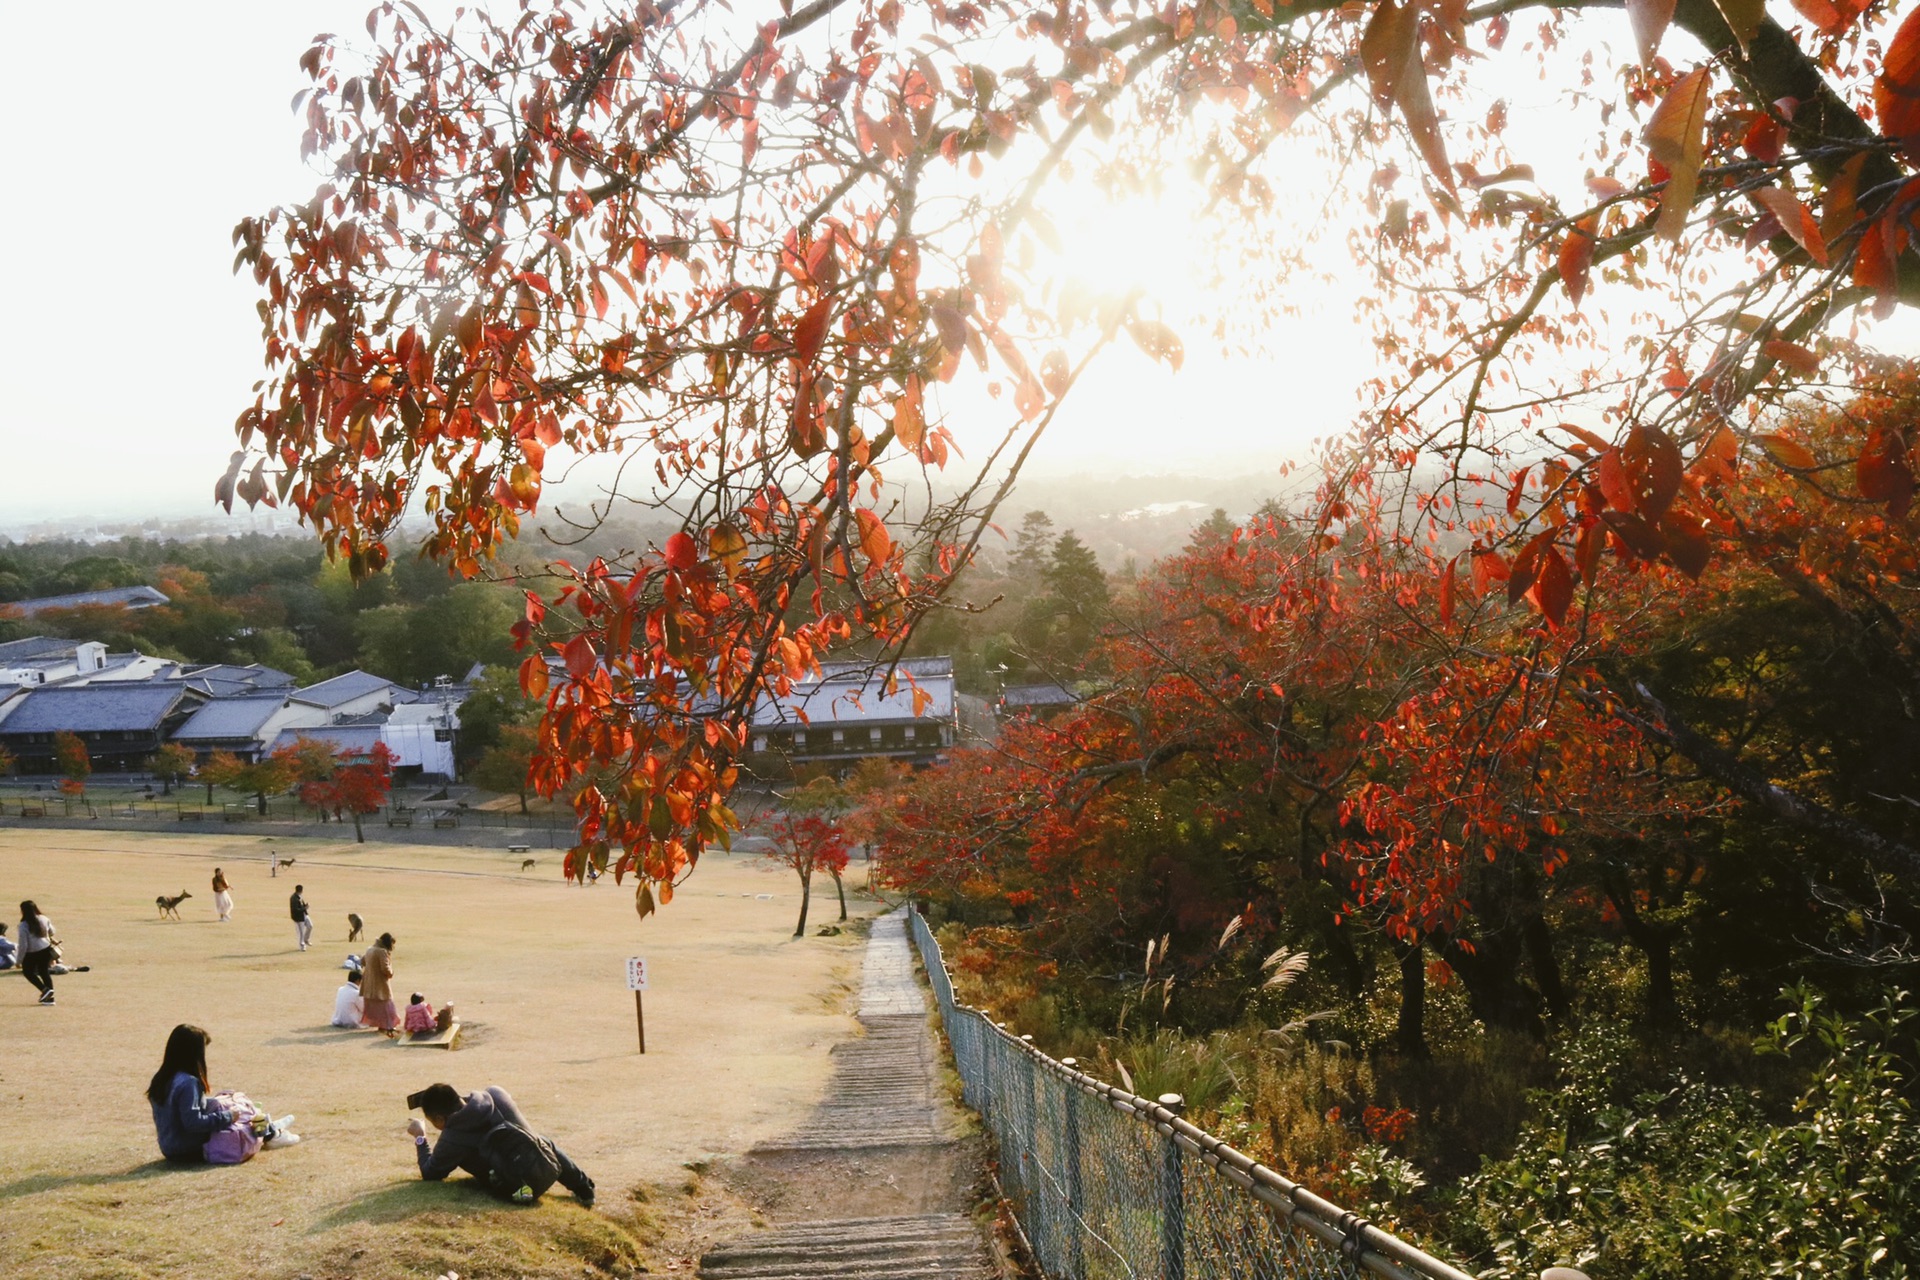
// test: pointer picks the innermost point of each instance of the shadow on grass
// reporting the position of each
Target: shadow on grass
(59, 1181)
(398, 1201)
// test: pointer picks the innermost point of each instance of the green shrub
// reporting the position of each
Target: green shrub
(1696, 1180)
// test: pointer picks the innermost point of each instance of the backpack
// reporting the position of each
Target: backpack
(516, 1158)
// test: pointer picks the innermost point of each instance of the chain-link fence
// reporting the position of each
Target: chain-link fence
(1106, 1185)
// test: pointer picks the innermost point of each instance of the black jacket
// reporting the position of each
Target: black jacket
(459, 1145)
(297, 907)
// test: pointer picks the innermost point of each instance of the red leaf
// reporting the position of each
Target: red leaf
(812, 330)
(1554, 591)
(1883, 474)
(1833, 17)
(1613, 481)
(1576, 256)
(1649, 19)
(1447, 589)
(1640, 538)
(533, 676)
(681, 553)
(1526, 567)
(1794, 219)
(1688, 545)
(1586, 553)
(1654, 470)
(1896, 92)
(580, 657)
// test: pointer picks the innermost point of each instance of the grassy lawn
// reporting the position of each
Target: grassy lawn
(739, 1020)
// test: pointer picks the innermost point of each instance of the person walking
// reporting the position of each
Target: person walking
(376, 987)
(37, 943)
(222, 898)
(302, 918)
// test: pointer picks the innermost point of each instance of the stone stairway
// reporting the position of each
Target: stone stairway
(884, 1096)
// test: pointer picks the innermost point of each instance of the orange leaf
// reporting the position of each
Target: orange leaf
(1833, 17)
(1447, 589)
(1392, 34)
(1792, 355)
(874, 540)
(1586, 553)
(909, 421)
(1676, 139)
(1794, 219)
(533, 676)
(1743, 18)
(1687, 543)
(1787, 453)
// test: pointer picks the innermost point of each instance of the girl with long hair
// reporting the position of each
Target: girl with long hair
(184, 1117)
(37, 941)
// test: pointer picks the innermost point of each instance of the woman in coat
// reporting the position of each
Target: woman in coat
(222, 898)
(37, 943)
(376, 987)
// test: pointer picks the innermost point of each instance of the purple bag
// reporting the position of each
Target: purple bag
(235, 1144)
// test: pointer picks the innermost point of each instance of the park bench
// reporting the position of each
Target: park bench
(187, 815)
(518, 848)
(33, 810)
(234, 815)
(445, 819)
(432, 1039)
(400, 818)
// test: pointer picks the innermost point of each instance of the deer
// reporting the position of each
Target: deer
(285, 862)
(354, 926)
(527, 865)
(171, 906)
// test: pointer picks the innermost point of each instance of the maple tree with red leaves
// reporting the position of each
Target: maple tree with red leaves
(745, 254)
(807, 843)
(348, 780)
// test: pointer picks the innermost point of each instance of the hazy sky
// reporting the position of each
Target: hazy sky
(135, 141)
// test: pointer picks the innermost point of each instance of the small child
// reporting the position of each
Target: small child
(9, 952)
(419, 1020)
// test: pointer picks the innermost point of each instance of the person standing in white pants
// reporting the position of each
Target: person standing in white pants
(222, 896)
(302, 918)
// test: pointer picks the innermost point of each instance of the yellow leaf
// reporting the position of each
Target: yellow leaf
(1676, 137)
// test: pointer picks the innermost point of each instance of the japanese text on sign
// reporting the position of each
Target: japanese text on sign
(636, 973)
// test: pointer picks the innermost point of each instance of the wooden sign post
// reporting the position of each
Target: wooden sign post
(637, 983)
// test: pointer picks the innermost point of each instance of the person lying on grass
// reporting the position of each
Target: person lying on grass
(485, 1134)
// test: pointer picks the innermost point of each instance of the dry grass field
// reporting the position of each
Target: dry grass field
(740, 1017)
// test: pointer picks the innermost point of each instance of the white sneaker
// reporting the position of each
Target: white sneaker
(283, 1140)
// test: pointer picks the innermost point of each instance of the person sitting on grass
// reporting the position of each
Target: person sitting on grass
(8, 951)
(347, 1004)
(184, 1117)
(485, 1134)
(419, 1019)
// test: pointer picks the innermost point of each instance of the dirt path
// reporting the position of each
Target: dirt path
(878, 1180)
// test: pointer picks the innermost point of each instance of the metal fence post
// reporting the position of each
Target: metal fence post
(1173, 1203)
(1076, 1197)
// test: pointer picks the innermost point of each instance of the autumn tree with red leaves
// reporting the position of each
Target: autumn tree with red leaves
(74, 761)
(749, 252)
(807, 843)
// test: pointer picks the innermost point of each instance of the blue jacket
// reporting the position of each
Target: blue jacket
(187, 1119)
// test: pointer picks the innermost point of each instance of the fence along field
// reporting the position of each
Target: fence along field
(1107, 1185)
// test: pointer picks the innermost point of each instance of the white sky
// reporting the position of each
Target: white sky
(135, 140)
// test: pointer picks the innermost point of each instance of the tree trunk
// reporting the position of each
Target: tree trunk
(841, 888)
(166, 785)
(806, 892)
(359, 835)
(209, 793)
(1546, 967)
(1656, 944)
(1410, 1035)
(1491, 975)
(523, 804)
(260, 799)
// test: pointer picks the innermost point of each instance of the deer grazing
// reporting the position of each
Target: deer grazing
(354, 926)
(171, 906)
